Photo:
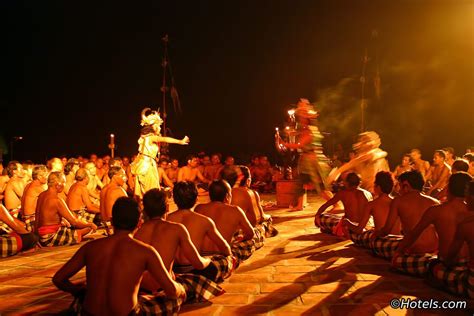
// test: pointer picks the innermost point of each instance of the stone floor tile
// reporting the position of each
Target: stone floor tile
(231, 299)
(282, 288)
(245, 288)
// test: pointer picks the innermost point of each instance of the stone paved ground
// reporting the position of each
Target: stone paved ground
(299, 272)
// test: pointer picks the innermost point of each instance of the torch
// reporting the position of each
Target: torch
(112, 145)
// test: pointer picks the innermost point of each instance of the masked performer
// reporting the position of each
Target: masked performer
(369, 160)
(313, 165)
(144, 167)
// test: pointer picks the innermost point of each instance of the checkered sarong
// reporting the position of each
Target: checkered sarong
(220, 268)
(243, 249)
(85, 216)
(458, 280)
(385, 247)
(9, 245)
(414, 264)
(363, 239)
(328, 222)
(5, 228)
(64, 236)
(149, 304)
(269, 229)
(29, 222)
(198, 287)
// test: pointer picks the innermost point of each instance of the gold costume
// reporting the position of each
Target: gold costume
(144, 166)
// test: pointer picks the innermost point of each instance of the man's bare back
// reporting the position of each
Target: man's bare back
(228, 219)
(114, 270)
(109, 194)
(78, 198)
(198, 227)
(410, 207)
(242, 198)
(13, 193)
(30, 197)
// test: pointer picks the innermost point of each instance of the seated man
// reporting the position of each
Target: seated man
(115, 266)
(408, 209)
(174, 239)
(162, 176)
(191, 173)
(449, 274)
(438, 174)
(211, 172)
(378, 209)
(14, 188)
(230, 220)
(172, 171)
(94, 184)
(354, 200)
(110, 193)
(78, 199)
(262, 175)
(50, 211)
(420, 165)
(248, 200)
(199, 226)
(13, 235)
(30, 195)
(445, 219)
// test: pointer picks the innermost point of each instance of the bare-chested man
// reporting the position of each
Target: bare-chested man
(404, 166)
(354, 200)
(379, 207)
(13, 235)
(190, 172)
(199, 227)
(162, 176)
(438, 174)
(419, 164)
(247, 199)
(70, 170)
(211, 172)
(409, 208)
(78, 200)
(55, 164)
(94, 184)
(111, 192)
(166, 237)
(50, 211)
(444, 217)
(31, 194)
(115, 266)
(15, 187)
(228, 218)
(451, 273)
(450, 155)
(172, 170)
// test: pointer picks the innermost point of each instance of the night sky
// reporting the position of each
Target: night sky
(76, 71)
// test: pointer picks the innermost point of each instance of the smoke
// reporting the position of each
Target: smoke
(425, 103)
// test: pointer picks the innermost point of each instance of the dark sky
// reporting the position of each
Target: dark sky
(76, 71)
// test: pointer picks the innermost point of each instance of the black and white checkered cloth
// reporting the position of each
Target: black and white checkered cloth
(10, 244)
(63, 236)
(363, 239)
(413, 264)
(385, 247)
(458, 280)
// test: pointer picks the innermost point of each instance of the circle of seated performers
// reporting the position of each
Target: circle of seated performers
(421, 219)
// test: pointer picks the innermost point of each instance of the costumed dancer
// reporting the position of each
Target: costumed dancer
(313, 165)
(369, 160)
(144, 167)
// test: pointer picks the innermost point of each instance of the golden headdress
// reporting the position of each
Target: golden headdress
(305, 109)
(150, 119)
